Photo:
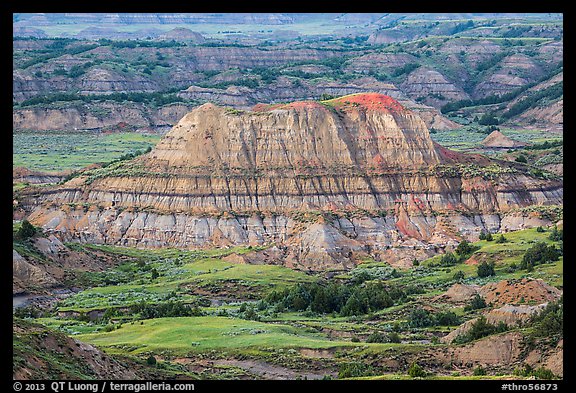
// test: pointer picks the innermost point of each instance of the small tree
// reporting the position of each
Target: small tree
(479, 371)
(448, 259)
(394, 338)
(26, 230)
(486, 269)
(151, 361)
(376, 337)
(556, 234)
(459, 275)
(501, 239)
(464, 247)
(416, 371)
(489, 237)
(482, 235)
(476, 303)
(155, 274)
(448, 318)
(420, 318)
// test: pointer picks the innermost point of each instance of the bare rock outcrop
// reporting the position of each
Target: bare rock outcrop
(498, 140)
(459, 293)
(509, 314)
(78, 360)
(493, 350)
(525, 290)
(352, 175)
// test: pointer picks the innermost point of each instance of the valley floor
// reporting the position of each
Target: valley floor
(198, 315)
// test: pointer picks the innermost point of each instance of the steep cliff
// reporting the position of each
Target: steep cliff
(330, 181)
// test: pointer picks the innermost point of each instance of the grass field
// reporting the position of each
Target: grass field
(213, 30)
(276, 337)
(189, 334)
(55, 152)
(181, 272)
(467, 139)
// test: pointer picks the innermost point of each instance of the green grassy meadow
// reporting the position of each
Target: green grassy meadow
(56, 152)
(288, 339)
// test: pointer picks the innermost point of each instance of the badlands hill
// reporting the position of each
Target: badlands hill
(328, 183)
(498, 140)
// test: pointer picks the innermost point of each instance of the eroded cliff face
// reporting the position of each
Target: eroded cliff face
(330, 182)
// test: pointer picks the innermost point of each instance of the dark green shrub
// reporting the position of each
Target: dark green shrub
(544, 373)
(465, 248)
(538, 254)
(447, 318)
(459, 275)
(486, 269)
(394, 338)
(420, 318)
(151, 361)
(376, 337)
(448, 259)
(351, 370)
(501, 239)
(26, 230)
(479, 371)
(416, 371)
(477, 302)
(480, 328)
(556, 234)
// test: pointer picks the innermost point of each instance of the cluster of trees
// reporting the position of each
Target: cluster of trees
(480, 328)
(154, 98)
(131, 155)
(549, 322)
(167, 309)
(355, 40)
(378, 337)
(78, 69)
(419, 318)
(550, 93)
(488, 119)
(491, 62)
(335, 297)
(486, 269)
(497, 99)
(538, 254)
(485, 236)
(488, 237)
(541, 373)
(355, 369)
(544, 145)
(476, 303)
(556, 234)
(460, 254)
(248, 82)
(405, 69)
(26, 230)
(460, 27)
(516, 31)
(57, 49)
(119, 44)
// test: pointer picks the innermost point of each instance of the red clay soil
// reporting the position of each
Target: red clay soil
(526, 290)
(370, 101)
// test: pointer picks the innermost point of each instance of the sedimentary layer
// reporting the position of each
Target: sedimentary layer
(333, 181)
